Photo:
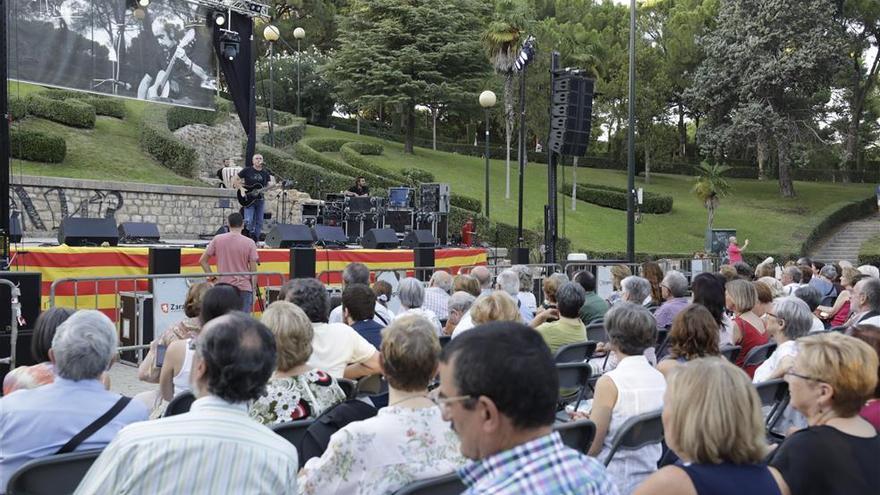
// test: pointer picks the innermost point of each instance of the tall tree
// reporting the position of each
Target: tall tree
(710, 186)
(404, 54)
(502, 39)
(766, 75)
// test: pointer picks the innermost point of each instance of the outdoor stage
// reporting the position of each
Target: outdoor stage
(59, 262)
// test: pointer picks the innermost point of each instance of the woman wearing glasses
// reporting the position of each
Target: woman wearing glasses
(832, 377)
(787, 320)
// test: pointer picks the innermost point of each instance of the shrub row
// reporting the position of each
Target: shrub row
(26, 144)
(356, 159)
(306, 176)
(286, 136)
(466, 203)
(869, 254)
(111, 107)
(615, 197)
(278, 117)
(834, 216)
(158, 141)
(371, 149)
(311, 150)
(18, 107)
(416, 175)
(70, 112)
(177, 117)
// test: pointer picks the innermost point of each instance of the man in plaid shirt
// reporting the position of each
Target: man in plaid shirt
(437, 294)
(498, 388)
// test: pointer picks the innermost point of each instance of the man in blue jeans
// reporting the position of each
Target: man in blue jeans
(255, 179)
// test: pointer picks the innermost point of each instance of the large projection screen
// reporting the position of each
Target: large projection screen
(160, 52)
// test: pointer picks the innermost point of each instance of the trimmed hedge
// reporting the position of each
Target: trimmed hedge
(417, 175)
(37, 146)
(286, 136)
(18, 107)
(834, 216)
(869, 254)
(356, 159)
(306, 176)
(279, 117)
(372, 149)
(158, 141)
(178, 117)
(466, 203)
(615, 197)
(311, 150)
(70, 112)
(111, 107)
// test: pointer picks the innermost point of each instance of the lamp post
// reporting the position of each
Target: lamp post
(298, 33)
(271, 34)
(487, 101)
(631, 140)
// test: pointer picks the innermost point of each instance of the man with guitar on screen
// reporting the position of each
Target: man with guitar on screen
(253, 182)
(164, 84)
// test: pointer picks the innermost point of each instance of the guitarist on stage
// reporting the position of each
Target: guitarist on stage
(253, 178)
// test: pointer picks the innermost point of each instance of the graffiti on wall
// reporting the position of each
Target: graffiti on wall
(98, 204)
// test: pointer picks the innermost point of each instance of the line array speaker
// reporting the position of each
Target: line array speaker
(571, 114)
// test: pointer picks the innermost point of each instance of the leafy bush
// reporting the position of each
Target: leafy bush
(356, 159)
(177, 117)
(310, 150)
(279, 117)
(18, 107)
(158, 141)
(415, 176)
(111, 107)
(372, 149)
(70, 112)
(325, 145)
(286, 136)
(869, 254)
(307, 177)
(66, 94)
(615, 197)
(466, 203)
(36, 146)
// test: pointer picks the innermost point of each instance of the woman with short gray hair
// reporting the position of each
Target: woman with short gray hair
(526, 281)
(84, 346)
(459, 304)
(412, 296)
(635, 289)
(790, 320)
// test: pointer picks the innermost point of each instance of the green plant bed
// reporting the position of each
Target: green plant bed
(110, 107)
(72, 112)
(18, 107)
(869, 253)
(177, 117)
(285, 136)
(307, 177)
(615, 197)
(36, 146)
(310, 150)
(157, 140)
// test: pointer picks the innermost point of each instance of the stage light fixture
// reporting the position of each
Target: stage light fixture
(229, 44)
(526, 53)
(217, 18)
(143, 3)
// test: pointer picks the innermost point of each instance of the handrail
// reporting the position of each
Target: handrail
(15, 295)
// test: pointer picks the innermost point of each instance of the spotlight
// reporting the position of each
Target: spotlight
(526, 53)
(143, 3)
(229, 43)
(217, 18)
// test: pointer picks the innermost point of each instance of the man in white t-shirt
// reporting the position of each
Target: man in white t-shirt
(358, 273)
(336, 347)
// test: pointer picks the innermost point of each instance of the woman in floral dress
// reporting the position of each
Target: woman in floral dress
(295, 391)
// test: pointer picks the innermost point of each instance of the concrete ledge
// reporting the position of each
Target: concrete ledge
(137, 187)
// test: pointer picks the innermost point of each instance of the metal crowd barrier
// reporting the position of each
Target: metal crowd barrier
(14, 313)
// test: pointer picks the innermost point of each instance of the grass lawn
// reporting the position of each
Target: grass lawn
(110, 151)
(755, 209)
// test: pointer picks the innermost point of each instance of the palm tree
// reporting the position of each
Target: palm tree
(502, 39)
(710, 187)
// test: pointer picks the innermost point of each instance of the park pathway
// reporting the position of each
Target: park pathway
(844, 243)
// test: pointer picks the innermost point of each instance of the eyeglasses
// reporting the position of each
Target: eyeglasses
(765, 315)
(443, 402)
(803, 377)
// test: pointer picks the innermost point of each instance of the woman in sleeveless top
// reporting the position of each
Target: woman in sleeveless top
(712, 420)
(839, 312)
(748, 329)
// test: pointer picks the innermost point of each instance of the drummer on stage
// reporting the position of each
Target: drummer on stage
(359, 188)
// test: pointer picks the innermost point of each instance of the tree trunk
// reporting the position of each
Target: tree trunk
(508, 129)
(434, 113)
(410, 116)
(710, 208)
(682, 132)
(786, 186)
(763, 151)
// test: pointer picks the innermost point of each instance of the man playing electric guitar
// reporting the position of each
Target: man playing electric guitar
(255, 178)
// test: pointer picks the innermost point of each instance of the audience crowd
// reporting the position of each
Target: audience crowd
(463, 380)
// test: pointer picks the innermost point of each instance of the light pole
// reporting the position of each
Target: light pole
(487, 101)
(271, 34)
(631, 140)
(298, 33)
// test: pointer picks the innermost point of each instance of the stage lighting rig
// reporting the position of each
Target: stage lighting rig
(526, 54)
(229, 43)
(216, 18)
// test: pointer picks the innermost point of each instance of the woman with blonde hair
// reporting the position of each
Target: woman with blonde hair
(466, 283)
(498, 306)
(748, 329)
(712, 420)
(694, 335)
(832, 378)
(296, 390)
(550, 285)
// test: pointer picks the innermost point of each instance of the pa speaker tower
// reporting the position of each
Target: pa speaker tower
(571, 114)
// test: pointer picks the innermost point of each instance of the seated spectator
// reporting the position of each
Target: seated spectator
(466, 283)
(412, 299)
(865, 302)
(728, 272)
(694, 335)
(42, 373)
(358, 310)
(712, 421)
(832, 377)
(216, 444)
(498, 388)
(526, 282)
(383, 291)
(45, 420)
(765, 270)
(824, 281)
(336, 347)
(869, 270)
(182, 330)
(567, 327)
(674, 289)
(838, 313)
(811, 297)
(358, 273)
(764, 302)
(791, 279)
(789, 320)
(174, 377)
(748, 328)
(776, 288)
(497, 306)
(484, 278)
(805, 261)
(708, 291)
(744, 271)
(651, 271)
(296, 390)
(407, 441)
(871, 335)
(635, 289)
(549, 287)
(806, 274)
(437, 294)
(633, 387)
(459, 305)
(618, 273)
(594, 307)
(508, 281)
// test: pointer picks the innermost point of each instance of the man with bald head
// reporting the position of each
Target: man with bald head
(437, 294)
(481, 273)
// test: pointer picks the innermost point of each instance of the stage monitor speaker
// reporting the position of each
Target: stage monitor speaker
(302, 263)
(327, 235)
(88, 232)
(419, 239)
(15, 227)
(520, 256)
(138, 232)
(571, 114)
(424, 257)
(380, 239)
(285, 236)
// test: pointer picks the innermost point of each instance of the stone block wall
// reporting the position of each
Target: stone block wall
(215, 145)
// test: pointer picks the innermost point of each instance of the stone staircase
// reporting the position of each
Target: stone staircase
(844, 243)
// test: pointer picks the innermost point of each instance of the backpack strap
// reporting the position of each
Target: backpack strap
(96, 425)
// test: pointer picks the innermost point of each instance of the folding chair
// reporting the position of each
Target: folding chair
(371, 385)
(179, 404)
(577, 434)
(573, 378)
(731, 352)
(662, 342)
(596, 331)
(759, 354)
(52, 474)
(576, 353)
(448, 484)
(293, 431)
(348, 386)
(773, 394)
(637, 432)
